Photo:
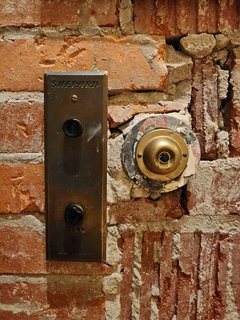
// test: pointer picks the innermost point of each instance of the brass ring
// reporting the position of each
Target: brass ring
(162, 154)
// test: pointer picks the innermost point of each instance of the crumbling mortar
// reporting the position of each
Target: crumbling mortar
(21, 158)
(33, 221)
(137, 281)
(13, 33)
(187, 224)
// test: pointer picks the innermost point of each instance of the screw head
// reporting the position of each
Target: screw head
(74, 98)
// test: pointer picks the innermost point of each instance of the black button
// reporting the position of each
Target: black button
(164, 157)
(73, 214)
(73, 128)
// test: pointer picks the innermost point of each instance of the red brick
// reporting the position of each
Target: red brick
(187, 276)
(207, 292)
(144, 16)
(168, 278)
(127, 248)
(222, 276)
(220, 194)
(21, 188)
(193, 272)
(207, 16)
(22, 250)
(147, 273)
(228, 22)
(58, 297)
(175, 18)
(228, 276)
(14, 290)
(75, 267)
(119, 114)
(235, 268)
(142, 210)
(20, 12)
(186, 22)
(233, 111)
(58, 12)
(165, 17)
(104, 53)
(211, 108)
(204, 107)
(21, 126)
(197, 102)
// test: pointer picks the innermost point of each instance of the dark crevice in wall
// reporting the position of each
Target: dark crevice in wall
(183, 200)
(133, 16)
(175, 42)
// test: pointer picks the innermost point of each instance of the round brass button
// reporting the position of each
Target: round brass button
(162, 154)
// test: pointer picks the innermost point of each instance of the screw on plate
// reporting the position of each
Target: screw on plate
(74, 98)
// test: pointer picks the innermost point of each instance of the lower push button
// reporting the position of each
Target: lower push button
(73, 128)
(73, 214)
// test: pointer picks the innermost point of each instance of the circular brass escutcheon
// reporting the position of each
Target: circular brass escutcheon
(162, 154)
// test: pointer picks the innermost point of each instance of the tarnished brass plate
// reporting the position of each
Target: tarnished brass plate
(76, 161)
(162, 154)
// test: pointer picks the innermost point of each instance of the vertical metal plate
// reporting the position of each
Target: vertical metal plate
(76, 165)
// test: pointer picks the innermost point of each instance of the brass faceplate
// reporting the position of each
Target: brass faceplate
(162, 154)
(76, 161)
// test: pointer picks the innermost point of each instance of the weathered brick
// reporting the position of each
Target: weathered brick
(186, 22)
(127, 248)
(224, 264)
(14, 289)
(210, 108)
(144, 13)
(119, 114)
(74, 267)
(206, 293)
(235, 273)
(175, 18)
(168, 18)
(220, 194)
(233, 109)
(204, 107)
(20, 12)
(141, 210)
(228, 22)
(147, 273)
(22, 250)
(21, 188)
(165, 17)
(207, 16)
(188, 275)
(78, 12)
(57, 12)
(58, 297)
(197, 102)
(143, 71)
(21, 126)
(167, 278)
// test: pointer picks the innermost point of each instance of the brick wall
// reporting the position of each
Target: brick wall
(170, 257)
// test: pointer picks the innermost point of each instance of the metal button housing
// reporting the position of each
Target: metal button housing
(162, 154)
